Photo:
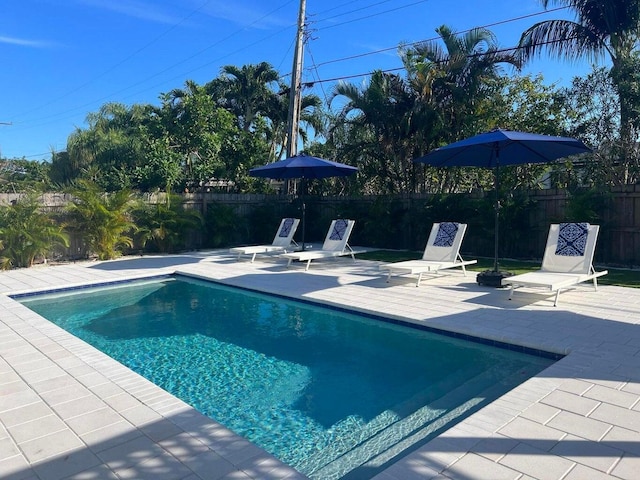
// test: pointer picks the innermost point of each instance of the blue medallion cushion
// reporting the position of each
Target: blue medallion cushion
(339, 229)
(446, 234)
(572, 239)
(286, 228)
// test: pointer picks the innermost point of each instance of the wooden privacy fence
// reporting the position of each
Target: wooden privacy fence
(619, 240)
(403, 221)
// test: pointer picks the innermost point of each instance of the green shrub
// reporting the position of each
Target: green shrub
(223, 226)
(164, 226)
(26, 233)
(102, 220)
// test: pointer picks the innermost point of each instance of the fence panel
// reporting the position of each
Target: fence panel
(619, 242)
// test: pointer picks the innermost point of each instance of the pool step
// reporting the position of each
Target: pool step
(383, 439)
(356, 435)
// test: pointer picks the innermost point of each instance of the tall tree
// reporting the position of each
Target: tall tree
(595, 100)
(277, 113)
(458, 72)
(377, 116)
(603, 28)
(196, 129)
(111, 144)
(247, 91)
(261, 104)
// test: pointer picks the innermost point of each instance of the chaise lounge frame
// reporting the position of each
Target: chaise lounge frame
(560, 272)
(434, 259)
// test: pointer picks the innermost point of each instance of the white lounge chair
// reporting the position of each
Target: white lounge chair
(567, 260)
(282, 242)
(442, 252)
(336, 244)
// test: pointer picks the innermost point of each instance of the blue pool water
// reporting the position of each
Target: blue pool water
(333, 394)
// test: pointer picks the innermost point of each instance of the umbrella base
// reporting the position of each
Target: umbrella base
(492, 278)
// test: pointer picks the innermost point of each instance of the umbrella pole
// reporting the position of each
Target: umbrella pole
(304, 223)
(496, 262)
(303, 193)
(493, 278)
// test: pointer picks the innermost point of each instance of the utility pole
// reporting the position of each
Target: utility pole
(295, 92)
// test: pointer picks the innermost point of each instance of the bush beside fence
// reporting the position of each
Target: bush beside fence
(403, 221)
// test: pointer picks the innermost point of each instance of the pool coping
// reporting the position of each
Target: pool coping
(542, 406)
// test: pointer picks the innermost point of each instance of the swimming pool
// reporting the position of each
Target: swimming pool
(333, 394)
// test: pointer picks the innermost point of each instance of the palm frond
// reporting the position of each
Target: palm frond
(563, 39)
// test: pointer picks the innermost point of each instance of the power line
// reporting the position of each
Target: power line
(315, 70)
(471, 55)
(121, 62)
(501, 22)
(318, 80)
(218, 42)
(389, 70)
(57, 116)
(346, 77)
(375, 14)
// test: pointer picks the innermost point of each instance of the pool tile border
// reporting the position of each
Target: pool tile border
(395, 321)
(448, 333)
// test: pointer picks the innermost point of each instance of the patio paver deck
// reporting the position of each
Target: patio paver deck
(69, 411)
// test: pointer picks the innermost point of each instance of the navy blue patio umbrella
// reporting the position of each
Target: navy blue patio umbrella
(499, 148)
(304, 167)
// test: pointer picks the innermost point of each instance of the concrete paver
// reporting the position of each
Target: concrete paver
(580, 418)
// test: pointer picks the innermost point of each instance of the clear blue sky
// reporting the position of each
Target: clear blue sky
(61, 59)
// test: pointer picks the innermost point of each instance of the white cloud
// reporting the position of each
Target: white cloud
(244, 13)
(22, 42)
(148, 11)
(254, 14)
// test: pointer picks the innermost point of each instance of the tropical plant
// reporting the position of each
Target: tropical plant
(223, 226)
(529, 105)
(207, 137)
(596, 104)
(165, 225)
(63, 169)
(113, 144)
(444, 97)
(458, 72)
(22, 175)
(277, 113)
(101, 219)
(246, 91)
(587, 205)
(5, 262)
(27, 233)
(377, 118)
(162, 168)
(603, 28)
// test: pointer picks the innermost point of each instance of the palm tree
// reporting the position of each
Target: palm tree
(439, 102)
(454, 77)
(603, 28)
(103, 220)
(247, 91)
(456, 72)
(27, 233)
(165, 225)
(278, 113)
(378, 116)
